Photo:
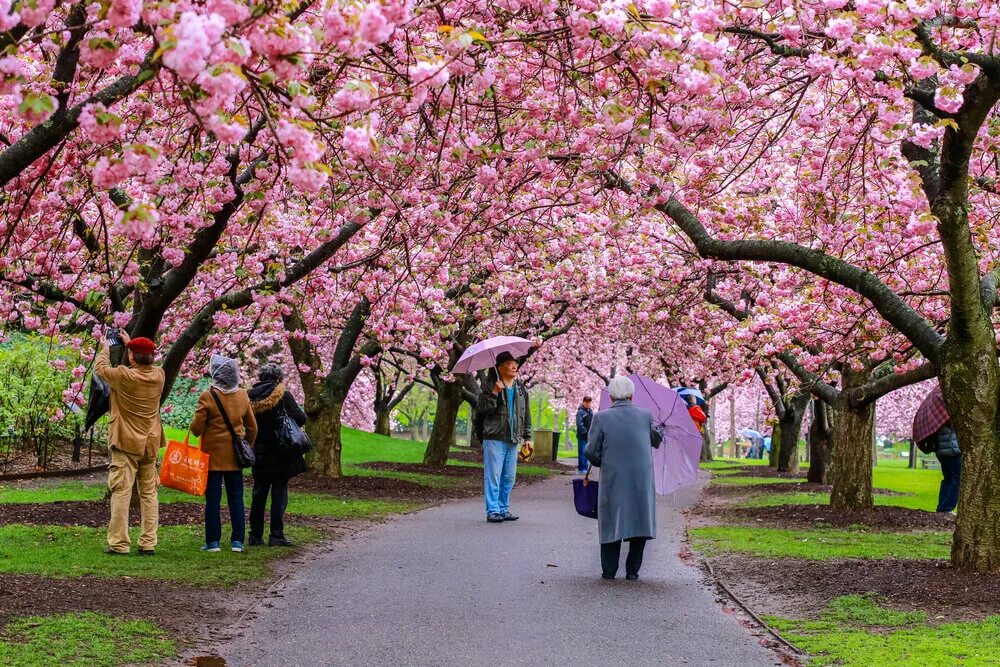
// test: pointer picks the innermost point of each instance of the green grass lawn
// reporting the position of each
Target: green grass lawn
(82, 640)
(921, 487)
(309, 504)
(819, 543)
(65, 551)
(855, 631)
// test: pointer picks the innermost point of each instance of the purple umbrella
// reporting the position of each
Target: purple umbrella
(675, 463)
(484, 354)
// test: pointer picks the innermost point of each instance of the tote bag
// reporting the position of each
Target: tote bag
(185, 468)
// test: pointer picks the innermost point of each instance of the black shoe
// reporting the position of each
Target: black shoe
(494, 518)
(510, 517)
(255, 542)
(111, 552)
(631, 577)
(605, 575)
(147, 552)
(280, 542)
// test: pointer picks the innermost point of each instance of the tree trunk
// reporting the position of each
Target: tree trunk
(852, 459)
(970, 385)
(819, 444)
(791, 428)
(474, 442)
(382, 421)
(706, 445)
(449, 400)
(324, 430)
(774, 455)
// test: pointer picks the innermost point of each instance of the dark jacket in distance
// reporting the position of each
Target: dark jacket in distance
(273, 462)
(494, 411)
(947, 441)
(583, 418)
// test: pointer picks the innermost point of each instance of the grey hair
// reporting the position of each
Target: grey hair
(271, 372)
(620, 388)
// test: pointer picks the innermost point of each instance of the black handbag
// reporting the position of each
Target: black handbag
(245, 457)
(291, 437)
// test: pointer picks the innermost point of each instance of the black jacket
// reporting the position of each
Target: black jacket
(496, 422)
(272, 462)
(583, 418)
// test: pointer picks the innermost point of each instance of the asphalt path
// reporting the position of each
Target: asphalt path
(443, 587)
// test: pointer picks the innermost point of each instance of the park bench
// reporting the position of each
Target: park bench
(930, 464)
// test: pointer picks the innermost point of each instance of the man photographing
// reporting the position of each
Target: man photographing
(503, 403)
(135, 435)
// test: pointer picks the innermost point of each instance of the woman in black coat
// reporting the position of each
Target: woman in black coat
(275, 466)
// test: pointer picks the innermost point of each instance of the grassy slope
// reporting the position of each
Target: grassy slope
(72, 551)
(82, 640)
(820, 543)
(855, 631)
(920, 487)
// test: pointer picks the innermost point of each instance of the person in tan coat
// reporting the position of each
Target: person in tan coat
(135, 435)
(217, 442)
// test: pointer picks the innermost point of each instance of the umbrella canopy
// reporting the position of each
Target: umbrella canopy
(752, 434)
(699, 398)
(99, 402)
(675, 462)
(930, 416)
(483, 354)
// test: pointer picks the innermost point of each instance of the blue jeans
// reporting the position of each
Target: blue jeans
(951, 468)
(499, 472)
(581, 453)
(233, 480)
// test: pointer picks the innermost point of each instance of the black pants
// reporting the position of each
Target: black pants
(611, 553)
(278, 487)
(951, 469)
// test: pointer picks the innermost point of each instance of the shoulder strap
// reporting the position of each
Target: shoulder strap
(225, 417)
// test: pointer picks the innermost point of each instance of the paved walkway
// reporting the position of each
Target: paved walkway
(442, 587)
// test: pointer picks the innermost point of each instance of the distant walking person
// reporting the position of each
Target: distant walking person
(503, 403)
(620, 441)
(584, 415)
(135, 434)
(217, 441)
(275, 465)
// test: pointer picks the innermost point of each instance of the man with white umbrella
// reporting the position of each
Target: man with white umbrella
(503, 404)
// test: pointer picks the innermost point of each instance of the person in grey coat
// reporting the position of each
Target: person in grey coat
(619, 444)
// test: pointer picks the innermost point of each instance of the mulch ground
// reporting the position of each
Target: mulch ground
(448, 471)
(723, 489)
(762, 471)
(60, 460)
(183, 610)
(373, 487)
(801, 588)
(894, 519)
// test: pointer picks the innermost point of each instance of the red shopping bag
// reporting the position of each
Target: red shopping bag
(185, 468)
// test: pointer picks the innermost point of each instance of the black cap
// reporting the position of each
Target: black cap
(504, 356)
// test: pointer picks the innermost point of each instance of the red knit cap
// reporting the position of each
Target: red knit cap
(142, 346)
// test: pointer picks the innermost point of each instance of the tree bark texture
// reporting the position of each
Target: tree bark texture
(852, 459)
(324, 429)
(791, 428)
(449, 400)
(382, 422)
(820, 443)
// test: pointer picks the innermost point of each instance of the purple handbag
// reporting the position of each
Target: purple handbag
(585, 496)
